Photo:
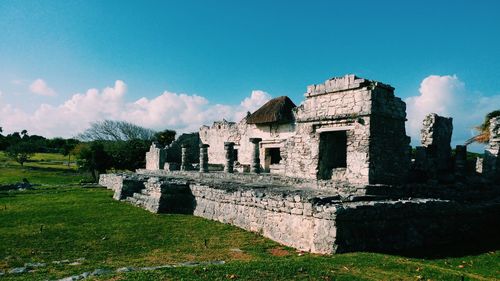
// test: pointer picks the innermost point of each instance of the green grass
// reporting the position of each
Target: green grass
(43, 168)
(61, 220)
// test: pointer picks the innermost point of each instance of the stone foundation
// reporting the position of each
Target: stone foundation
(314, 220)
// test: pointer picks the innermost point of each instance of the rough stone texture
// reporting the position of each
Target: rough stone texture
(155, 158)
(436, 137)
(184, 160)
(367, 111)
(229, 164)
(479, 165)
(322, 221)
(491, 162)
(239, 133)
(203, 158)
(373, 118)
(255, 161)
(123, 185)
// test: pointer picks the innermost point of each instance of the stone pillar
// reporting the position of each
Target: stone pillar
(436, 136)
(229, 148)
(491, 162)
(155, 157)
(184, 162)
(203, 158)
(460, 162)
(255, 160)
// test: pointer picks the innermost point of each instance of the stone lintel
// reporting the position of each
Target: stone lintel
(334, 129)
(228, 144)
(255, 140)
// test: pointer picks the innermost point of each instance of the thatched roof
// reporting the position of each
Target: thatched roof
(277, 110)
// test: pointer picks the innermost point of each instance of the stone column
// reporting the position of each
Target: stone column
(460, 162)
(203, 157)
(229, 148)
(255, 160)
(184, 162)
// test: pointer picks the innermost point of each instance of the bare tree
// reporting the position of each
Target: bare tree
(116, 131)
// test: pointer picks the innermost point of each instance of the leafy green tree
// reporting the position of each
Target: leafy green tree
(21, 152)
(93, 158)
(165, 137)
(68, 147)
(128, 155)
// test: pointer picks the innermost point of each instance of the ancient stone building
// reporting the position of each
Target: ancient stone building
(273, 123)
(348, 130)
(336, 175)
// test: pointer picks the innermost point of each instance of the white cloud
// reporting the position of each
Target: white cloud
(40, 87)
(448, 96)
(182, 112)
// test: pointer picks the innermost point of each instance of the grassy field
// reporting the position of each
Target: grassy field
(60, 220)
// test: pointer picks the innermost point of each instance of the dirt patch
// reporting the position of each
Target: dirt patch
(240, 255)
(279, 252)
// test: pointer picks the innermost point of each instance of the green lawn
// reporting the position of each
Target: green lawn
(61, 220)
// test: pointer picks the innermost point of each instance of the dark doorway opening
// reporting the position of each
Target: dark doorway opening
(332, 153)
(274, 155)
(235, 155)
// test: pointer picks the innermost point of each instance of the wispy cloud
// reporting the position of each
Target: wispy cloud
(40, 87)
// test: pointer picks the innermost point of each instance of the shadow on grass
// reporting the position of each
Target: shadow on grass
(454, 250)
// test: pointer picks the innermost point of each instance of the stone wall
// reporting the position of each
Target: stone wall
(123, 185)
(320, 222)
(240, 133)
(436, 137)
(373, 118)
(491, 162)
(155, 157)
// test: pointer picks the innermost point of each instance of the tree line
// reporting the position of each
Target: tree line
(105, 145)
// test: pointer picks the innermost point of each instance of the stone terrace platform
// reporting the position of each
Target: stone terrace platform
(312, 216)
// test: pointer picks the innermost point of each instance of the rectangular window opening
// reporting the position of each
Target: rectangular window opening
(332, 153)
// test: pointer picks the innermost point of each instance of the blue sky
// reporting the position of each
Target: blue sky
(221, 51)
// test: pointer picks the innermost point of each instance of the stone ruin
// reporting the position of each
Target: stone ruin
(334, 174)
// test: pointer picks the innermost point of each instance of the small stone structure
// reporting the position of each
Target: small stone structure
(491, 162)
(348, 130)
(331, 175)
(155, 158)
(436, 138)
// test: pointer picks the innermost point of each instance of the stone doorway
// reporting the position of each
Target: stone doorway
(272, 157)
(332, 153)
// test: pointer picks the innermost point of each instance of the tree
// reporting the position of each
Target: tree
(483, 130)
(115, 131)
(20, 152)
(165, 137)
(93, 158)
(68, 147)
(128, 155)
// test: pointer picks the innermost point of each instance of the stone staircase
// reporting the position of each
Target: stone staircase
(163, 196)
(148, 198)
